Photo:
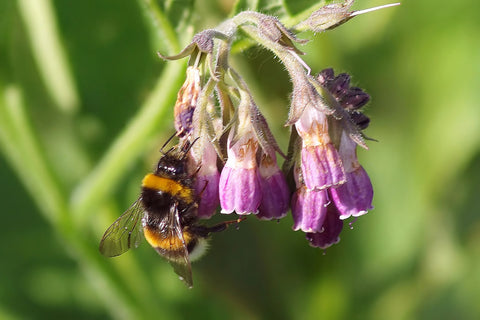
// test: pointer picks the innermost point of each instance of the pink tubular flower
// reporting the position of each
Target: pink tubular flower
(330, 234)
(206, 178)
(251, 181)
(309, 209)
(320, 161)
(354, 197)
(331, 184)
(275, 193)
(239, 184)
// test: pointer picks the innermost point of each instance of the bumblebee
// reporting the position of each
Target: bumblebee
(166, 215)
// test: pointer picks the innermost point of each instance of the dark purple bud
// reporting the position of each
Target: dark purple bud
(340, 84)
(361, 120)
(326, 76)
(354, 98)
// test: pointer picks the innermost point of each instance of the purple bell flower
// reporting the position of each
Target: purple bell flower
(239, 185)
(206, 178)
(309, 209)
(320, 161)
(275, 192)
(332, 227)
(354, 197)
(331, 184)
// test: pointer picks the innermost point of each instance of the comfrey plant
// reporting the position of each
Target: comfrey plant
(233, 154)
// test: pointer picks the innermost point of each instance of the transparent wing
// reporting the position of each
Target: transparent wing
(179, 258)
(125, 233)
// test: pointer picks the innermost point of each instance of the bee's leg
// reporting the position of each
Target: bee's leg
(204, 231)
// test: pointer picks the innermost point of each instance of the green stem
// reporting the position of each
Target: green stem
(49, 53)
(249, 21)
(167, 33)
(25, 156)
(104, 178)
(289, 22)
(290, 62)
(18, 143)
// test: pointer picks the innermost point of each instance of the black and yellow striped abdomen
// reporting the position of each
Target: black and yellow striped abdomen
(168, 244)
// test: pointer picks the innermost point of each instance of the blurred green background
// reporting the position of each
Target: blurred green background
(85, 105)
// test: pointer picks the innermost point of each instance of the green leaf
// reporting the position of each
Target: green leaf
(104, 178)
(49, 53)
(19, 144)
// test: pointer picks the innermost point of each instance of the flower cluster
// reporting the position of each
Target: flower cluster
(234, 155)
(331, 185)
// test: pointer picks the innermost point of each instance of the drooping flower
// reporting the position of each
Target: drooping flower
(275, 192)
(331, 184)
(320, 161)
(204, 162)
(354, 197)
(251, 181)
(330, 234)
(239, 185)
(309, 208)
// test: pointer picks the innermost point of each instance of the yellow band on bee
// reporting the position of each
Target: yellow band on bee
(155, 239)
(169, 186)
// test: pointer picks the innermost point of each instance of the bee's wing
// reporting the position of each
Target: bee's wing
(180, 261)
(125, 233)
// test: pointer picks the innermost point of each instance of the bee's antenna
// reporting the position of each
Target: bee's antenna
(165, 144)
(187, 146)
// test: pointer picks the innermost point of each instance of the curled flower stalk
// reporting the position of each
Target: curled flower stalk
(233, 154)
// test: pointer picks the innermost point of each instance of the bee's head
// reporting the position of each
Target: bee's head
(172, 166)
(173, 163)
